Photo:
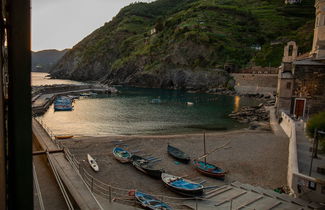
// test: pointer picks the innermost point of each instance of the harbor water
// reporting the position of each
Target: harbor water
(141, 111)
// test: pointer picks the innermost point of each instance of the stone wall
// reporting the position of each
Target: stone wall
(255, 83)
(294, 177)
(309, 84)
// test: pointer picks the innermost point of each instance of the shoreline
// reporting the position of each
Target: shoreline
(253, 157)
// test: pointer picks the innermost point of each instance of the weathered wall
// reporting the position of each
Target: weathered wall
(255, 83)
(309, 84)
(294, 177)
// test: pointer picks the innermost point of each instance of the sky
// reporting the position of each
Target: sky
(60, 24)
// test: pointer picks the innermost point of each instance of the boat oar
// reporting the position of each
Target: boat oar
(218, 148)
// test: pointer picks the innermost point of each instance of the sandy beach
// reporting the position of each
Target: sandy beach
(252, 157)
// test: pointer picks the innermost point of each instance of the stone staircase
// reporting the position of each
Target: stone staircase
(244, 196)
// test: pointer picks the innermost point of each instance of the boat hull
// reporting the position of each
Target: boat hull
(143, 167)
(122, 155)
(92, 163)
(193, 190)
(63, 137)
(209, 169)
(178, 154)
(150, 202)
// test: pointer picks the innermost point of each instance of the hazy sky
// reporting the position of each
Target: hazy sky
(60, 24)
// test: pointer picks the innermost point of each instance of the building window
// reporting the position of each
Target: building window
(288, 85)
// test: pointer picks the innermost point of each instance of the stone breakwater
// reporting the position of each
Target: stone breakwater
(257, 117)
(43, 96)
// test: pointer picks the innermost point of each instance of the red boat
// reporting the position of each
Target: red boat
(209, 169)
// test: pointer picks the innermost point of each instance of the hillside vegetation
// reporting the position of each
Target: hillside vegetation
(193, 38)
(44, 60)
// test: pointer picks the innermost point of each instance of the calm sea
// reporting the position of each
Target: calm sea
(131, 112)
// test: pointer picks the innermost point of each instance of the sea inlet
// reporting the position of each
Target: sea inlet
(141, 111)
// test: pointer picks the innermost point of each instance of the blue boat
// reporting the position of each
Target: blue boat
(63, 103)
(122, 155)
(182, 186)
(150, 202)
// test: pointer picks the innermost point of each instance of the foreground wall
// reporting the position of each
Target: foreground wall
(300, 184)
(255, 83)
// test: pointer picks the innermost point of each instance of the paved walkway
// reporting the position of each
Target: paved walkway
(50, 191)
(276, 128)
(77, 188)
(304, 152)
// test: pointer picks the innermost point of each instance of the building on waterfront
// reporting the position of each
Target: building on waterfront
(301, 86)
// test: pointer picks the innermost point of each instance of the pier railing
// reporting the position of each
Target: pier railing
(121, 195)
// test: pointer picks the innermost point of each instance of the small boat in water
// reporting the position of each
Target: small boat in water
(63, 103)
(178, 154)
(150, 202)
(122, 155)
(85, 94)
(145, 167)
(182, 186)
(64, 137)
(209, 169)
(156, 101)
(92, 163)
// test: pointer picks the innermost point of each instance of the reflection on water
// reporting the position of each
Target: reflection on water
(132, 112)
(236, 103)
(39, 78)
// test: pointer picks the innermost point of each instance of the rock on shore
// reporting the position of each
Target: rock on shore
(257, 117)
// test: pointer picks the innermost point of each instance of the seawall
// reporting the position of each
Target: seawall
(255, 83)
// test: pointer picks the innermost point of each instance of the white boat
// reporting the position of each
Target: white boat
(189, 103)
(92, 163)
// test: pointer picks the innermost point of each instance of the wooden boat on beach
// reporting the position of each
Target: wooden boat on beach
(145, 167)
(178, 154)
(63, 137)
(122, 155)
(92, 162)
(209, 169)
(150, 202)
(182, 186)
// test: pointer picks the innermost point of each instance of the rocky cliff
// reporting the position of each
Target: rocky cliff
(183, 44)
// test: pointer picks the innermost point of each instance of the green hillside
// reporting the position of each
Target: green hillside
(191, 35)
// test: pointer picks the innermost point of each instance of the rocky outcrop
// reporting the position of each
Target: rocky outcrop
(256, 116)
(186, 79)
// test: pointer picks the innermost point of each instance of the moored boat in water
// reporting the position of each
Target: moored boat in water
(122, 155)
(63, 103)
(182, 186)
(178, 154)
(209, 169)
(150, 202)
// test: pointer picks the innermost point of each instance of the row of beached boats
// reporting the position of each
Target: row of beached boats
(176, 183)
